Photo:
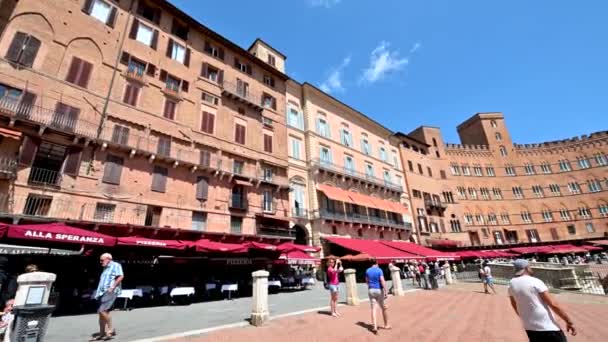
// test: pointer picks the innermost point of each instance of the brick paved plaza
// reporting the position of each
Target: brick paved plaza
(460, 313)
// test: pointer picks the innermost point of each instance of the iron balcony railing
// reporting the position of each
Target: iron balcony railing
(238, 202)
(435, 204)
(241, 92)
(283, 232)
(8, 167)
(299, 212)
(364, 219)
(329, 166)
(40, 176)
(273, 177)
(15, 108)
(135, 73)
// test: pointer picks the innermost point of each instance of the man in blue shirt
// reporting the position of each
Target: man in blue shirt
(377, 293)
(107, 291)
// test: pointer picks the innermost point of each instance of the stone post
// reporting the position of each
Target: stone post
(259, 307)
(352, 297)
(448, 274)
(396, 279)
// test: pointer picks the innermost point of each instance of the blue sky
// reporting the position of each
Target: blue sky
(437, 62)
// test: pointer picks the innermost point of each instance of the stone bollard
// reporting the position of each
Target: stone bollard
(259, 307)
(448, 274)
(352, 297)
(396, 279)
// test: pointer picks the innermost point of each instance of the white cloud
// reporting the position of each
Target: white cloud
(415, 48)
(323, 3)
(382, 62)
(333, 83)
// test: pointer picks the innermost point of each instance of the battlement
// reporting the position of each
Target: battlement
(461, 147)
(564, 142)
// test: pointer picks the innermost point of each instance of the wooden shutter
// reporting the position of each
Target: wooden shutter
(134, 28)
(185, 86)
(164, 146)
(154, 43)
(156, 18)
(124, 58)
(131, 94)
(88, 6)
(120, 135)
(205, 70)
(170, 48)
(29, 147)
(220, 53)
(151, 71)
(169, 111)
(28, 55)
(159, 179)
(74, 70)
(112, 17)
(187, 57)
(72, 162)
(239, 134)
(85, 74)
(202, 188)
(14, 50)
(207, 122)
(220, 77)
(207, 47)
(268, 143)
(249, 69)
(112, 170)
(127, 98)
(205, 158)
(163, 76)
(236, 63)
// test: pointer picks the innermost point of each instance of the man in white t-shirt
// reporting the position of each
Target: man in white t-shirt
(532, 303)
(486, 277)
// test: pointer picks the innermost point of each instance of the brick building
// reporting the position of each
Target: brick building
(345, 170)
(491, 191)
(131, 112)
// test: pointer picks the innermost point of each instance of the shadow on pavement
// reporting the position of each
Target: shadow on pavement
(324, 312)
(366, 326)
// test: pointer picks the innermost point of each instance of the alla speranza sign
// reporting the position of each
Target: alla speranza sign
(63, 237)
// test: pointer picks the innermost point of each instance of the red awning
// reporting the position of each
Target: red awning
(600, 242)
(566, 249)
(145, 242)
(592, 248)
(341, 195)
(334, 193)
(422, 251)
(297, 257)
(531, 249)
(468, 254)
(383, 253)
(59, 232)
(208, 246)
(290, 246)
(259, 245)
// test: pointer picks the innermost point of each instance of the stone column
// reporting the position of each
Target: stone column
(396, 279)
(448, 274)
(259, 306)
(352, 297)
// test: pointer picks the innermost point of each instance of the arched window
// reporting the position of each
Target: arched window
(503, 151)
(493, 123)
(434, 142)
(498, 136)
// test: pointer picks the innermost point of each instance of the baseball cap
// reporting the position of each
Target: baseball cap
(520, 266)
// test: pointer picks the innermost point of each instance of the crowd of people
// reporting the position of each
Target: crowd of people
(599, 258)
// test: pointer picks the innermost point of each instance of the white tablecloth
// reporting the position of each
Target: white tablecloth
(274, 283)
(129, 294)
(308, 281)
(210, 286)
(145, 288)
(182, 291)
(230, 287)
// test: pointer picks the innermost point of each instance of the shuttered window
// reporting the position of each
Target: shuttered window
(131, 94)
(208, 121)
(202, 188)
(169, 111)
(205, 158)
(23, 49)
(100, 10)
(268, 143)
(144, 34)
(120, 135)
(239, 134)
(79, 72)
(164, 146)
(213, 50)
(112, 170)
(29, 147)
(72, 161)
(65, 117)
(159, 179)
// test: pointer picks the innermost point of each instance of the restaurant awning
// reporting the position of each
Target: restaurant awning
(600, 242)
(531, 249)
(565, 249)
(383, 253)
(290, 246)
(297, 257)
(592, 248)
(443, 242)
(341, 195)
(152, 243)
(259, 245)
(428, 253)
(58, 232)
(468, 254)
(208, 246)
(6, 249)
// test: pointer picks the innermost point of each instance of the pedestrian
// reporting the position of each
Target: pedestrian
(486, 277)
(534, 305)
(31, 268)
(6, 316)
(426, 276)
(334, 268)
(377, 294)
(434, 274)
(107, 291)
(419, 271)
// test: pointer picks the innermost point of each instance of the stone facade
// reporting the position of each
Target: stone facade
(490, 191)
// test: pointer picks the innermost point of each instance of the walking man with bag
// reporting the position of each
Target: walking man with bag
(377, 294)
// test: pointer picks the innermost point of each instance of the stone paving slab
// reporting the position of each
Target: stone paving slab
(459, 313)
